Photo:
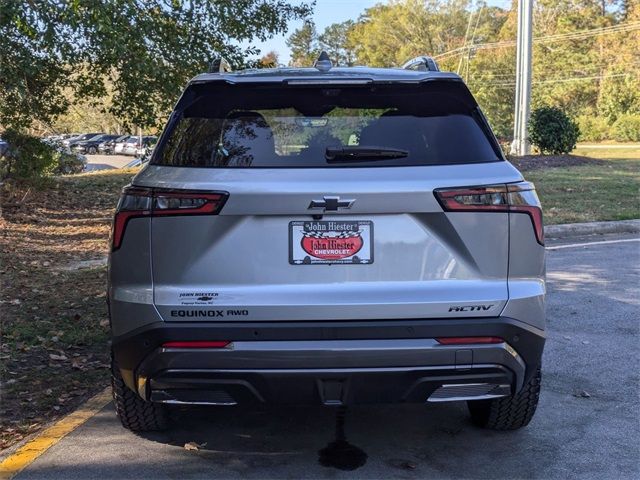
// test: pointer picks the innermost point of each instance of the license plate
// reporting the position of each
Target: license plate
(331, 242)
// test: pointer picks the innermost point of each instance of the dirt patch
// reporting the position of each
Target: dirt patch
(54, 350)
(537, 162)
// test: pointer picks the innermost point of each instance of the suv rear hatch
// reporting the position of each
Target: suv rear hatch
(325, 205)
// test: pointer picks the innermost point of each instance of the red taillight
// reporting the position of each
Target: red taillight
(517, 197)
(468, 340)
(148, 202)
(196, 344)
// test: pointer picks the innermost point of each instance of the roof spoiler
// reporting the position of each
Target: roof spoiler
(422, 63)
(219, 65)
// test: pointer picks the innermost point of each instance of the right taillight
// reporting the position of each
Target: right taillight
(513, 197)
(156, 202)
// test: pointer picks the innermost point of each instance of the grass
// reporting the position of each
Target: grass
(598, 191)
(606, 151)
(53, 318)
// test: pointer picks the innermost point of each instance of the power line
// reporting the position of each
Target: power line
(547, 39)
(489, 75)
(559, 80)
(466, 35)
(620, 28)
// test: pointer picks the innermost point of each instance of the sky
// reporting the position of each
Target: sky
(327, 12)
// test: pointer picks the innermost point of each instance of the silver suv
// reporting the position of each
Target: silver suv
(327, 235)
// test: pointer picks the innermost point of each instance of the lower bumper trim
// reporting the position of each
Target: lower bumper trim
(469, 391)
(330, 387)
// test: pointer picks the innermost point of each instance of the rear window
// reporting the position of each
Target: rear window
(228, 126)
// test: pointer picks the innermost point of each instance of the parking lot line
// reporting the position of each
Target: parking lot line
(586, 244)
(26, 454)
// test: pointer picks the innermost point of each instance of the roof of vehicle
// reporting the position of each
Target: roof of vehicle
(338, 75)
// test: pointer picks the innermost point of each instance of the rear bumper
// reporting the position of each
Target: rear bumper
(329, 362)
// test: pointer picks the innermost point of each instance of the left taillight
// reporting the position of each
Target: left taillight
(154, 202)
(518, 197)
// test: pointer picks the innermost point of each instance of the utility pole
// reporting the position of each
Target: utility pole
(521, 145)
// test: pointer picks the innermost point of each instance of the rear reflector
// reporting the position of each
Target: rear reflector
(157, 202)
(513, 197)
(468, 340)
(196, 344)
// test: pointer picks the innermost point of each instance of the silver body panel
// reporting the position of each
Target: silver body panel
(427, 261)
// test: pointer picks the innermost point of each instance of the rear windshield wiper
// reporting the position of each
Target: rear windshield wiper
(362, 153)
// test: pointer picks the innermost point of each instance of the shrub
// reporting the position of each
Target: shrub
(593, 129)
(552, 131)
(26, 156)
(627, 128)
(68, 163)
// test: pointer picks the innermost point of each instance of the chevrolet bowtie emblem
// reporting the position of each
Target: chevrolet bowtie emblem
(330, 204)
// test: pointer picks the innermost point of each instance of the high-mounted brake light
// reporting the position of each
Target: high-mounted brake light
(468, 340)
(513, 197)
(196, 344)
(154, 202)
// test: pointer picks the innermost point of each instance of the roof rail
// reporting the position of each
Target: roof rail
(421, 64)
(323, 63)
(219, 65)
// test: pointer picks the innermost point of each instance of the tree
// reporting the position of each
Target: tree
(591, 74)
(389, 34)
(145, 49)
(619, 95)
(335, 41)
(304, 45)
(269, 60)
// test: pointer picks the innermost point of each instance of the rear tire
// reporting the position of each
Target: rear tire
(135, 413)
(509, 413)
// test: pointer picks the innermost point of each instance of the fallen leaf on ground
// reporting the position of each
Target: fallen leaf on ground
(53, 356)
(193, 446)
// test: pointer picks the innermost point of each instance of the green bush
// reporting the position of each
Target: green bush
(627, 128)
(593, 129)
(552, 131)
(68, 163)
(27, 157)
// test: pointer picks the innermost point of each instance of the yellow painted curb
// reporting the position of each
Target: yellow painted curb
(31, 450)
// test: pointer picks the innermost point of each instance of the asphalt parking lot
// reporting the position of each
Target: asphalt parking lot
(586, 426)
(106, 162)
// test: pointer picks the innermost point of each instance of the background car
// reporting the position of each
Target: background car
(71, 142)
(4, 146)
(91, 146)
(68, 138)
(106, 147)
(137, 146)
(118, 147)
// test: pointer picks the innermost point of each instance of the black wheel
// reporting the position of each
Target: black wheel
(92, 150)
(509, 413)
(135, 413)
